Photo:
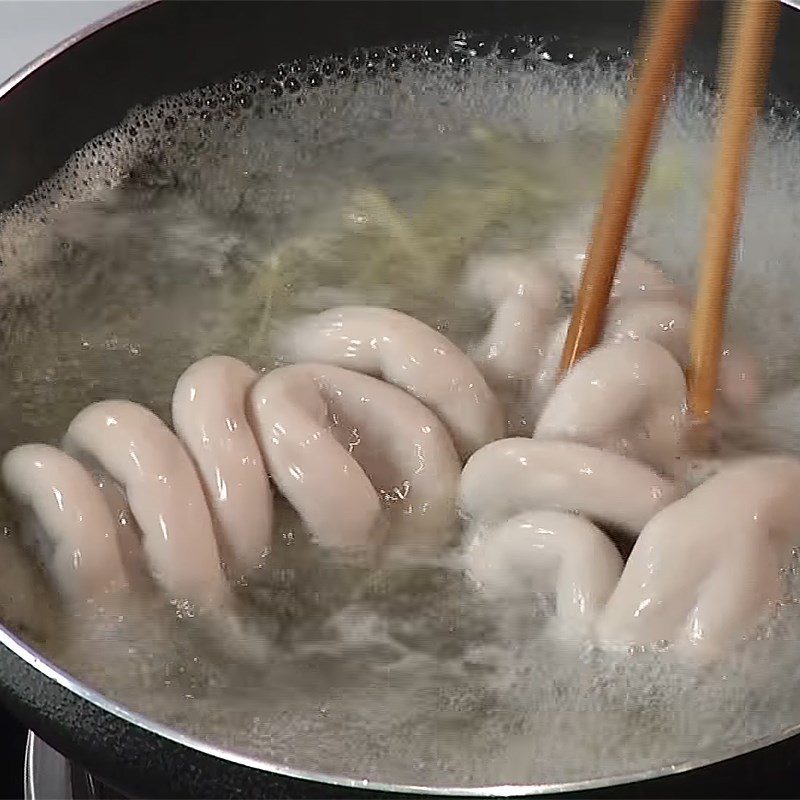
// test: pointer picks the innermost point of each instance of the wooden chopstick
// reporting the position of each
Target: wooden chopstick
(668, 34)
(746, 56)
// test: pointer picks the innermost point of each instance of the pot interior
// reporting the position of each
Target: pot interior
(369, 171)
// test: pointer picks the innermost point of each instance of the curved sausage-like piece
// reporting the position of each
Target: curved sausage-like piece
(409, 354)
(740, 380)
(512, 476)
(71, 512)
(129, 537)
(639, 277)
(629, 398)
(341, 445)
(545, 551)
(636, 277)
(525, 299)
(140, 453)
(209, 415)
(668, 323)
(512, 347)
(665, 322)
(549, 365)
(705, 570)
(492, 278)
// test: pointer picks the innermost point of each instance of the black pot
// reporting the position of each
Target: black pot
(152, 49)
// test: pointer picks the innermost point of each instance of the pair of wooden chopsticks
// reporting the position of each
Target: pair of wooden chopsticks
(745, 58)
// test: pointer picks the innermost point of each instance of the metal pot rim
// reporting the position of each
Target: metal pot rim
(51, 672)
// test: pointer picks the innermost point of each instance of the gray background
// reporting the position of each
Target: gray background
(30, 27)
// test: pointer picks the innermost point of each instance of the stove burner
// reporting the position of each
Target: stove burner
(50, 776)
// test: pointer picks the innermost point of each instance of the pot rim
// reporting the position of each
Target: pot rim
(50, 671)
(54, 673)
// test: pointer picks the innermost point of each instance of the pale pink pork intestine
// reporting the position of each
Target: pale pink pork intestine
(364, 437)
(627, 400)
(404, 352)
(357, 457)
(521, 351)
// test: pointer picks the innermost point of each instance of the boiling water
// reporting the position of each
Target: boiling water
(199, 226)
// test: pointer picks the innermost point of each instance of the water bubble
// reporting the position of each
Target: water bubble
(435, 51)
(512, 47)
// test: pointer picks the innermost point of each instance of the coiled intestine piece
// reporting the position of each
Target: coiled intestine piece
(512, 476)
(342, 445)
(628, 398)
(69, 509)
(705, 569)
(533, 506)
(409, 354)
(647, 305)
(141, 454)
(545, 551)
(209, 415)
(636, 277)
(350, 452)
(526, 336)
(525, 298)
(668, 323)
(129, 537)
